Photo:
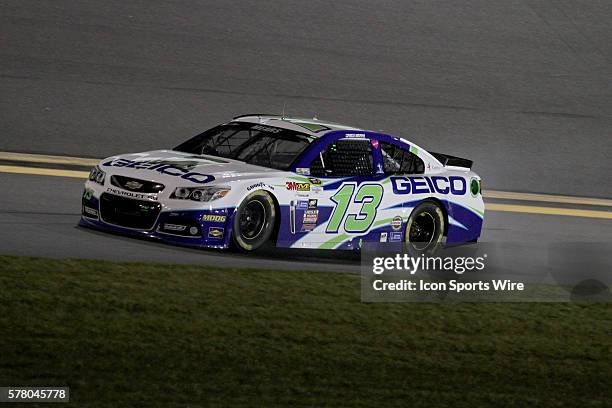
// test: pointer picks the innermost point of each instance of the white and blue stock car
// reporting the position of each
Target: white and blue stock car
(298, 183)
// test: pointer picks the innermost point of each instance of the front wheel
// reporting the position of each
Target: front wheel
(254, 221)
(425, 229)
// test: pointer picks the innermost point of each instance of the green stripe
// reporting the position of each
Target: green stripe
(380, 222)
(480, 213)
(299, 178)
(335, 241)
(339, 239)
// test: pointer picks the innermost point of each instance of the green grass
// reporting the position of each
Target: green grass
(139, 334)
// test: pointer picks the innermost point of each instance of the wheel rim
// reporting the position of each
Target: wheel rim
(422, 231)
(252, 220)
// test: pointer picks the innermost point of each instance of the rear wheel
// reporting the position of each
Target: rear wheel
(425, 229)
(254, 221)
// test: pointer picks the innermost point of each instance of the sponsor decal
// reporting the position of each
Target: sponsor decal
(90, 211)
(88, 193)
(435, 184)
(395, 236)
(174, 227)
(315, 181)
(215, 232)
(259, 185)
(267, 129)
(130, 194)
(311, 216)
(308, 227)
(383, 237)
(355, 135)
(295, 186)
(302, 205)
(396, 223)
(312, 203)
(133, 185)
(309, 222)
(175, 168)
(474, 186)
(214, 218)
(303, 171)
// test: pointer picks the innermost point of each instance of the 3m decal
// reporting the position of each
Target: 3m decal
(435, 184)
(295, 186)
(369, 195)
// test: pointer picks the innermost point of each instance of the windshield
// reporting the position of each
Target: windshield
(252, 143)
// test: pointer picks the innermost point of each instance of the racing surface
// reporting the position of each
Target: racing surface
(40, 219)
(521, 87)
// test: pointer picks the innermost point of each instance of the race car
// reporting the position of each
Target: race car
(297, 183)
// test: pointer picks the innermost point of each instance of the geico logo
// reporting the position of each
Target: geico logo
(435, 184)
(175, 170)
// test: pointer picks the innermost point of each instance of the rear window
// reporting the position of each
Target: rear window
(400, 161)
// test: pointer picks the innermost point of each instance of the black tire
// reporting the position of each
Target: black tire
(425, 229)
(254, 221)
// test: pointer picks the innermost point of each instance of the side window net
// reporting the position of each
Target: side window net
(344, 158)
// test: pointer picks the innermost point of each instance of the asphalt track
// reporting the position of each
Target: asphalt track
(521, 87)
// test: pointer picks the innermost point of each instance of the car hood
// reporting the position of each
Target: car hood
(170, 167)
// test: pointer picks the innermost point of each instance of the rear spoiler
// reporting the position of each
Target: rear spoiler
(452, 161)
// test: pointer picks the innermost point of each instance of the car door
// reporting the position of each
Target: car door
(350, 194)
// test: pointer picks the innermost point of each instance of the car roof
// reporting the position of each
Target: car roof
(313, 126)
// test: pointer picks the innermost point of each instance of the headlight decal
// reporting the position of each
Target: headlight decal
(97, 175)
(199, 193)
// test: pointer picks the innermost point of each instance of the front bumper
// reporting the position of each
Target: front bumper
(194, 228)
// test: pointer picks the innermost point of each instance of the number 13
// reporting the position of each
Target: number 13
(368, 194)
